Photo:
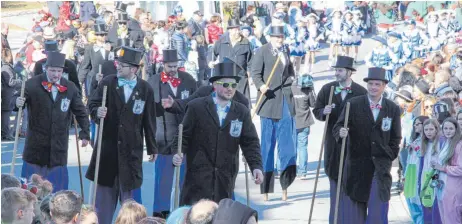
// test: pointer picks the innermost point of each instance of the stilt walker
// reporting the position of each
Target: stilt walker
(177, 85)
(345, 89)
(276, 110)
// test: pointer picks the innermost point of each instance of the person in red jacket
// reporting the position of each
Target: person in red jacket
(214, 29)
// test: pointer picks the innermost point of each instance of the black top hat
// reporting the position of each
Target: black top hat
(226, 69)
(344, 62)
(121, 6)
(180, 25)
(51, 46)
(124, 42)
(130, 55)
(108, 68)
(122, 17)
(277, 31)
(233, 23)
(170, 55)
(376, 74)
(100, 28)
(56, 59)
(423, 86)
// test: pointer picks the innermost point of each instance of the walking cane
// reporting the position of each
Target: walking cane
(16, 135)
(326, 123)
(340, 172)
(268, 82)
(98, 150)
(78, 157)
(178, 169)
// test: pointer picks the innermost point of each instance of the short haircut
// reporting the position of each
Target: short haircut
(45, 207)
(202, 212)
(64, 205)
(10, 180)
(13, 199)
(131, 212)
(152, 220)
(215, 18)
(86, 211)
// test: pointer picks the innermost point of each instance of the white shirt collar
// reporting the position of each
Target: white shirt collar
(372, 103)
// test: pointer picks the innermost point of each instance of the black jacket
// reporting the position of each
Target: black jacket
(372, 147)
(48, 131)
(331, 146)
(124, 130)
(281, 82)
(69, 68)
(167, 123)
(211, 150)
(90, 64)
(233, 212)
(303, 99)
(9, 84)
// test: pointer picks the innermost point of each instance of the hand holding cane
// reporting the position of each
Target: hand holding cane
(78, 157)
(178, 169)
(267, 83)
(340, 172)
(16, 135)
(326, 123)
(98, 150)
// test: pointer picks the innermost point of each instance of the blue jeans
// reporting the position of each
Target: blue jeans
(302, 144)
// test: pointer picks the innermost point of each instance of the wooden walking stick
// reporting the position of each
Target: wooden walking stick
(98, 150)
(18, 127)
(326, 123)
(78, 157)
(178, 169)
(340, 172)
(267, 83)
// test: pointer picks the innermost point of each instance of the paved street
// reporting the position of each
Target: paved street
(294, 210)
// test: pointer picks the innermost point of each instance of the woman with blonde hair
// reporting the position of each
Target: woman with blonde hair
(88, 215)
(131, 213)
(449, 164)
(69, 47)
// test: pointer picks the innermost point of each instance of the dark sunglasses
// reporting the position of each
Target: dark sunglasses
(228, 84)
(100, 35)
(122, 23)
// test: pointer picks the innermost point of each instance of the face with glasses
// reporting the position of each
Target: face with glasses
(125, 70)
(171, 68)
(225, 88)
(123, 25)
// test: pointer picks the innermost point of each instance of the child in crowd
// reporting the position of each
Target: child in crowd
(131, 213)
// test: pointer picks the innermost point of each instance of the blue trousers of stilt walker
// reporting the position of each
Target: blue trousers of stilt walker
(58, 175)
(163, 182)
(282, 131)
(107, 199)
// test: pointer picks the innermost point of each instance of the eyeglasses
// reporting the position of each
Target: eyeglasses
(228, 84)
(429, 106)
(122, 23)
(118, 64)
(100, 35)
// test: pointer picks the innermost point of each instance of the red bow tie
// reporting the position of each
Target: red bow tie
(49, 85)
(166, 78)
(377, 106)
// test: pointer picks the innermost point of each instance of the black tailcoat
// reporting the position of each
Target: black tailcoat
(167, 123)
(281, 82)
(48, 131)
(331, 146)
(69, 68)
(90, 64)
(241, 54)
(122, 146)
(371, 148)
(211, 151)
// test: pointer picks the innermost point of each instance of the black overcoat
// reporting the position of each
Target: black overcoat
(48, 131)
(122, 146)
(372, 147)
(241, 54)
(167, 123)
(69, 68)
(211, 151)
(90, 65)
(331, 146)
(280, 85)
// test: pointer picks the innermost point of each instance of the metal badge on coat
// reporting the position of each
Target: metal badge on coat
(386, 124)
(184, 94)
(236, 128)
(65, 104)
(138, 106)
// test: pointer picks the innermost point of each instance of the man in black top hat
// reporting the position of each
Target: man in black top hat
(129, 115)
(214, 128)
(50, 102)
(169, 84)
(276, 111)
(374, 135)
(70, 69)
(95, 55)
(237, 48)
(345, 89)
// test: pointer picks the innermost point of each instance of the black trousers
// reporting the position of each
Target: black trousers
(6, 123)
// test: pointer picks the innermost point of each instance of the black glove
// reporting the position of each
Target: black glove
(270, 94)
